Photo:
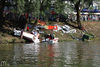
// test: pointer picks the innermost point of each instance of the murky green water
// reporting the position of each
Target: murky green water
(65, 54)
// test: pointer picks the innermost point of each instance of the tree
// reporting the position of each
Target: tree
(59, 6)
(44, 7)
(36, 11)
(20, 6)
(79, 5)
(2, 5)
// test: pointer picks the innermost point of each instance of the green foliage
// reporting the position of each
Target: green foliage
(20, 6)
(29, 6)
(82, 3)
(59, 6)
(40, 7)
(45, 7)
(36, 11)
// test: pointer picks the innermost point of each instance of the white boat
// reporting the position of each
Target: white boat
(30, 37)
(51, 41)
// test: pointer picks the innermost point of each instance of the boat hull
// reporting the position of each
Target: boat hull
(30, 37)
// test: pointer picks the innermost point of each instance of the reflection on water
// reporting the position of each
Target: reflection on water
(65, 54)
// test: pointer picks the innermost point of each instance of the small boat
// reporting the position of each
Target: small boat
(52, 41)
(30, 37)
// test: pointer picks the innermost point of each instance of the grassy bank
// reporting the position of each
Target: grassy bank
(7, 38)
(91, 27)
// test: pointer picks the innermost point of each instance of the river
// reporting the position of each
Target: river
(64, 54)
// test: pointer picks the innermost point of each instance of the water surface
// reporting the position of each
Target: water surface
(64, 54)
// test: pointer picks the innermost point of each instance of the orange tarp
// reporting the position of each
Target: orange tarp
(52, 27)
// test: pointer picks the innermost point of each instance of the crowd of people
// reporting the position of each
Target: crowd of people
(85, 17)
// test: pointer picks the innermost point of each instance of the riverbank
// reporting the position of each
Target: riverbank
(91, 27)
(6, 38)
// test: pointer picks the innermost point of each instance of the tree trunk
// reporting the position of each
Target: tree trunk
(78, 19)
(2, 5)
(78, 14)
